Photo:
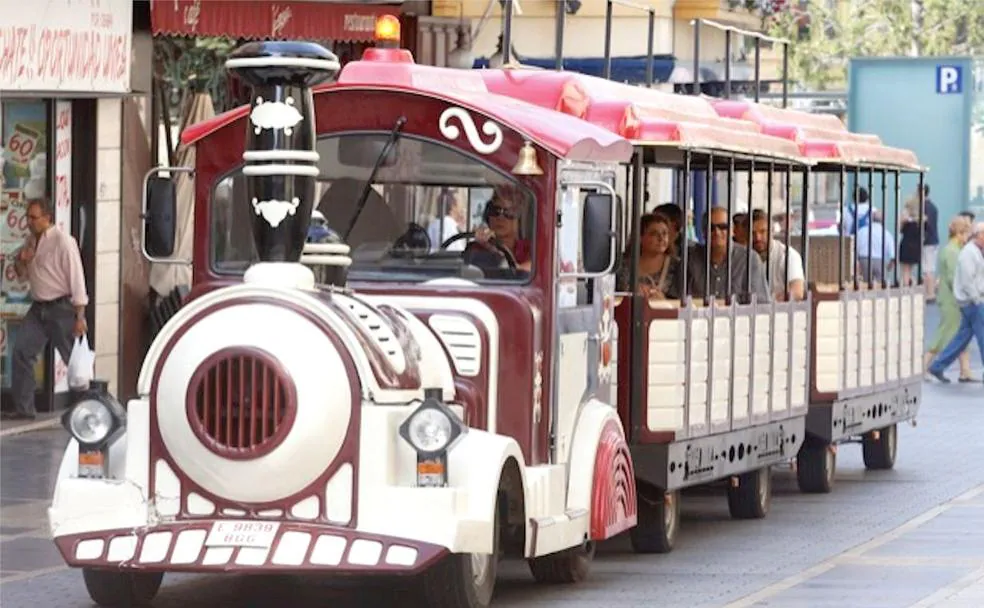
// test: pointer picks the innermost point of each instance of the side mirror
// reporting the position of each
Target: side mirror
(159, 216)
(598, 233)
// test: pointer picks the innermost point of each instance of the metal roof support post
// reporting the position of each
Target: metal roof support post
(608, 40)
(697, 23)
(651, 43)
(785, 74)
(507, 13)
(727, 64)
(758, 67)
(561, 21)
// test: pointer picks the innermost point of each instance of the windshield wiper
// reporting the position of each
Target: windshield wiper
(393, 137)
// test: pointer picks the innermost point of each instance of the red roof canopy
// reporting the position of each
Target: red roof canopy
(820, 136)
(644, 116)
(268, 19)
(393, 69)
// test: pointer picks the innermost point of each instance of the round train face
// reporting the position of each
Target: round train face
(254, 402)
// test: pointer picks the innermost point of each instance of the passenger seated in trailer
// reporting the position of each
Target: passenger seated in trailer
(449, 223)
(775, 251)
(674, 214)
(500, 235)
(696, 265)
(659, 276)
(870, 242)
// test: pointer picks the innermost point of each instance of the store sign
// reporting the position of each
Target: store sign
(66, 45)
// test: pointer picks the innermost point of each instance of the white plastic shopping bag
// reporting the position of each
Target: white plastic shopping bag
(81, 364)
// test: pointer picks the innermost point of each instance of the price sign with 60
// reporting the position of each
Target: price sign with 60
(17, 221)
(21, 147)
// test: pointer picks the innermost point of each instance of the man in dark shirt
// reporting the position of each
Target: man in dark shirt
(931, 242)
(697, 265)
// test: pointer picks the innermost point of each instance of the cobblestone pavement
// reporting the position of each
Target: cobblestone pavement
(913, 536)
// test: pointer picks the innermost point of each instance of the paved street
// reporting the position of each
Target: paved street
(909, 537)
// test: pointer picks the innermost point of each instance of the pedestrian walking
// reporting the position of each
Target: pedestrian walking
(968, 290)
(949, 309)
(52, 263)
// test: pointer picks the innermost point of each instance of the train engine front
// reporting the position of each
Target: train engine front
(280, 425)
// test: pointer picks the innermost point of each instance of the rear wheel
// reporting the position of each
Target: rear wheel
(121, 589)
(815, 466)
(570, 566)
(880, 447)
(659, 520)
(750, 494)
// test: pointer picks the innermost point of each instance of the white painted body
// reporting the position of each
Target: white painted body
(459, 517)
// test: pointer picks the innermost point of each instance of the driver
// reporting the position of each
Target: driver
(501, 226)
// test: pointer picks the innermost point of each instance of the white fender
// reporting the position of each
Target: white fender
(591, 421)
(475, 464)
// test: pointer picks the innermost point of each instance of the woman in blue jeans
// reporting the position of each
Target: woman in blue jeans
(968, 289)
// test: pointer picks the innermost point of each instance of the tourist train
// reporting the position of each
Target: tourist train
(389, 399)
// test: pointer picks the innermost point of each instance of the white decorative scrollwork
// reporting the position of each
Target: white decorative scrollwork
(274, 211)
(275, 115)
(471, 132)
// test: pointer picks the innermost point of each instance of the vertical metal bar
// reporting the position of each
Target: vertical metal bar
(684, 248)
(708, 180)
(697, 23)
(785, 74)
(687, 300)
(507, 15)
(769, 187)
(805, 228)
(884, 245)
(898, 224)
(727, 64)
(559, 26)
(789, 209)
(857, 209)
(840, 230)
(727, 262)
(871, 227)
(650, 46)
(758, 72)
(637, 408)
(750, 225)
(608, 40)
(922, 225)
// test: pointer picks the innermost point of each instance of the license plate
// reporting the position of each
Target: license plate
(259, 534)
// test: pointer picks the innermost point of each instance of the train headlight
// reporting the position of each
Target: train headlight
(95, 420)
(432, 430)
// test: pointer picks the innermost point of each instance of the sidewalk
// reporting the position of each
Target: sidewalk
(43, 421)
(934, 560)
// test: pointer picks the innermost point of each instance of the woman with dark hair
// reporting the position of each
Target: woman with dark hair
(501, 219)
(659, 270)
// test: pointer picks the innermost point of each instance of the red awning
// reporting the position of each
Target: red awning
(268, 19)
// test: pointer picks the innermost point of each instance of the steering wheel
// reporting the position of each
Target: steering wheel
(510, 258)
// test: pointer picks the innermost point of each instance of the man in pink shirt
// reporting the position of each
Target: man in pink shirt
(51, 261)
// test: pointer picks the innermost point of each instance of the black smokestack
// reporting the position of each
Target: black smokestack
(281, 159)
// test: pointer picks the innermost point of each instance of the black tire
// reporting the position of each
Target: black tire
(462, 580)
(659, 520)
(564, 567)
(879, 454)
(815, 467)
(752, 496)
(121, 589)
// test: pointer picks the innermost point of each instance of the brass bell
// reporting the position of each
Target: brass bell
(527, 165)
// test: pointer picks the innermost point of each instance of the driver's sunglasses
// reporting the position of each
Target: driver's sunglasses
(497, 211)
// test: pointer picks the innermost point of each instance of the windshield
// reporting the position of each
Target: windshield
(432, 212)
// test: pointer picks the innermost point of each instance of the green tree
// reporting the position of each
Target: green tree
(825, 35)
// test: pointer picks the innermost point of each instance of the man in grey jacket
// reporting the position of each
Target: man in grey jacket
(968, 289)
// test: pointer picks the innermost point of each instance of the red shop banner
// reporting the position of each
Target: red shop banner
(264, 19)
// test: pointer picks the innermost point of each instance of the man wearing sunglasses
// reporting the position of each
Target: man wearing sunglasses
(501, 219)
(51, 261)
(697, 277)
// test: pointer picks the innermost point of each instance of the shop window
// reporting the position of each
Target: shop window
(24, 164)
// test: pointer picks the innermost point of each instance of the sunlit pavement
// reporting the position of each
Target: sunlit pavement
(913, 536)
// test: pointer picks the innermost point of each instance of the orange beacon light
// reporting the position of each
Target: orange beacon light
(387, 34)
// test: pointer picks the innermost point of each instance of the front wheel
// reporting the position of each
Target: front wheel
(878, 448)
(121, 589)
(659, 520)
(750, 494)
(570, 566)
(463, 580)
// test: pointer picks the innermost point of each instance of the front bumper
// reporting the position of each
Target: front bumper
(296, 547)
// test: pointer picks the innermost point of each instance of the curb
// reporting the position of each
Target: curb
(30, 427)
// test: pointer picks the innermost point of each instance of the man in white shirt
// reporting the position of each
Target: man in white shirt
(874, 243)
(968, 289)
(777, 253)
(450, 223)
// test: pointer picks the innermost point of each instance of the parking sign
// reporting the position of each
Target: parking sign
(949, 79)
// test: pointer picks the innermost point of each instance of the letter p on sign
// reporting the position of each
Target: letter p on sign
(948, 79)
